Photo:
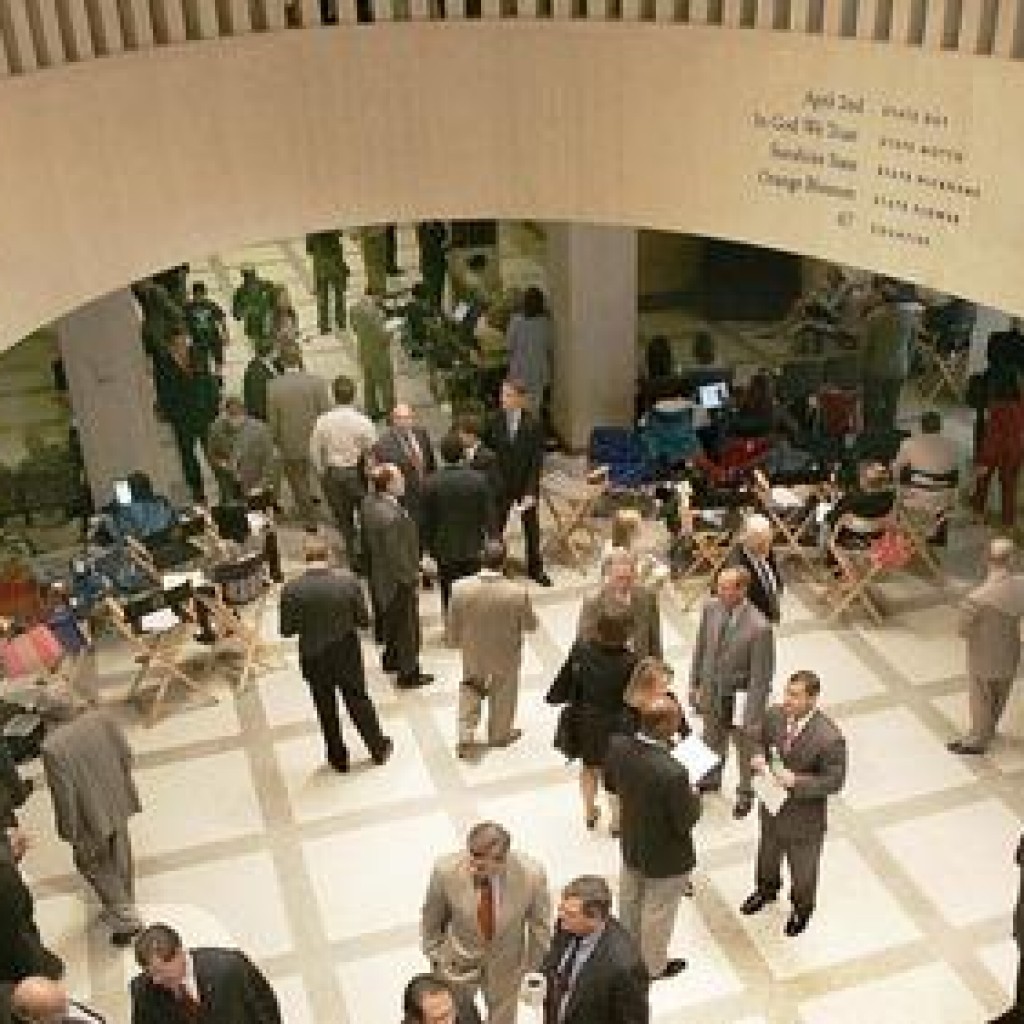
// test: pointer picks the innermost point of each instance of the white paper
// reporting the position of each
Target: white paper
(769, 791)
(159, 621)
(257, 521)
(172, 580)
(695, 756)
(739, 707)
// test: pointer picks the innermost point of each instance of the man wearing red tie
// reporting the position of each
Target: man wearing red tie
(205, 985)
(486, 920)
(806, 753)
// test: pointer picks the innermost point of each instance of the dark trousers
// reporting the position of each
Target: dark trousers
(339, 667)
(531, 532)
(803, 854)
(881, 402)
(400, 621)
(327, 285)
(1008, 473)
(344, 490)
(187, 438)
(449, 572)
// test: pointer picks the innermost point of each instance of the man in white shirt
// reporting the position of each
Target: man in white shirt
(926, 470)
(340, 441)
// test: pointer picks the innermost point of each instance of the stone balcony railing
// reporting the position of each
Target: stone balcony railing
(40, 34)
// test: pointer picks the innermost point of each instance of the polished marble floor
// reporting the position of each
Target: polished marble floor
(246, 839)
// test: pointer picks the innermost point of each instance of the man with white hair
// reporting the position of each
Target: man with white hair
(754, 553)
(621, 591)
(990, 618)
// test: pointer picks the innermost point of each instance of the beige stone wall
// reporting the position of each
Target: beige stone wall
(112, 168)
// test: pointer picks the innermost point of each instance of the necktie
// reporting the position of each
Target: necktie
(485, 908)
(412, 449)
(790, 735)
(561, 983)
(188, 1002)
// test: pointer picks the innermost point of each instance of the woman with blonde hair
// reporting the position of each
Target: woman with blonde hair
(652, 678)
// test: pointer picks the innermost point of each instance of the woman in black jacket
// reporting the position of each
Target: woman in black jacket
(591, 684)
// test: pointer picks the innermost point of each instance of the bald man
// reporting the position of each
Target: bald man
(42, 1001)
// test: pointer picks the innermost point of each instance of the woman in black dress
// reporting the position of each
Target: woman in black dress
(591, 684)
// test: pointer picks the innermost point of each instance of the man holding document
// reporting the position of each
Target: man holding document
(731, 677)
(658, 811)
(803, 763)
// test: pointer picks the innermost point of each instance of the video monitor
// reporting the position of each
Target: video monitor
(713, 396)
(122, 492)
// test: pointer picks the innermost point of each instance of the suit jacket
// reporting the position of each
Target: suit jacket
(232, 990)
(658, 807)
(818, 758)
(742, 659)
(449, 931)
(519, 458)
(486, 462)
(766, 601)
(322, 606)
(487, 618)
(389, 448)
(611, 986)
(456, 514)
(392, 543)
(88, 766)
(646, 619)
(990, 622)
(254, 386)
(22, 952)
(1018, 910)
(294, 401)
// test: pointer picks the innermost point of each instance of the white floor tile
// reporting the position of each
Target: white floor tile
(315, 790)
(933, 993)
(189, 725)
(64, 923)
(844, 677)
(559, 620)
(893, 757)
(384, 882)
(1001, 961)
(1007, 749)
(195, 801)
(921, 645)
(372, 987)
(856, 915)
(238, 898)
(293, 999)
(961, 859)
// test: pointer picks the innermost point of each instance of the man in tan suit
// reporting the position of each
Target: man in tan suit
(621, 590)
(487, 619)
(88, 766)
(990, 619)
(487, 919)
(294, 401)
(731, 677)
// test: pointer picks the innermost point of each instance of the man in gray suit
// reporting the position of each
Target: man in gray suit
(731, 677)
(487, 618)
(806, 753)
(294, 401)
(990, 618)
(88, 766)
(486, 919)
(393, 553)
(241, 452)
(620, 590)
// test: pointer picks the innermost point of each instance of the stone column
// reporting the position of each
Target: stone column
(112, 398)
(592, 272)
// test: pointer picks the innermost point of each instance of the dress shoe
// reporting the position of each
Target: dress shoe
(124, 938)
(513, 736)
(755, 903)
(412, 682)
(387, 665)
(672, 968)
(387, 749)
(744, 804)
(427, 582)
(205, 637)
(960, 747)
(468, 752)
(341, 767)
(542, 579)
(796, 923)
(709, 786)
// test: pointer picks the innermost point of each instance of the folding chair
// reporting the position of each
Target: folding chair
(925, 502)
(571, 502)
(887, 549)
(713, 535)
(155, 625)
(791, 510)
(943, 367)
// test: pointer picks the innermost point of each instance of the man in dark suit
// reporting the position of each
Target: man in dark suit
(593, 968)
(261, 369)
(428, 999)
(622, 593)
(456, 513)
(806, 753)
(517, 439)
(197, 986)
(754, 553)
(408, 446)
(393, 548)
(1015, 1013)
(730, 678)
(22, 952)
(479, 457)
(326, 608)
(658, 809)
